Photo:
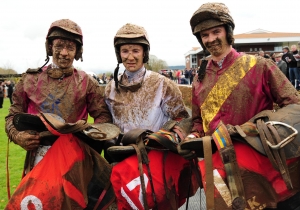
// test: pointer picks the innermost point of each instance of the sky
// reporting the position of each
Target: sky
(24, 25)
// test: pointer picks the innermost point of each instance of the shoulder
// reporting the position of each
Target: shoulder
(156, 75)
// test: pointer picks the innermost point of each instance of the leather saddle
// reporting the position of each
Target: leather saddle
(282, 127)
(151, 141)
(50, 126)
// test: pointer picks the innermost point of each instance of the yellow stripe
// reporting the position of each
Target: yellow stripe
(219, 139)
(224, 87)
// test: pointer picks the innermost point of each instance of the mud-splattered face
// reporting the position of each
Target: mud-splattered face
(132, 56)
(64, 52)
(214, 39)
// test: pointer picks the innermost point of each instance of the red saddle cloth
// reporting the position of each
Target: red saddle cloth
(59, 180)
(253, 166)
(125, 179)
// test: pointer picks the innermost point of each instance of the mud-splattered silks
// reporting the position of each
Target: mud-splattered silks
(219, 93)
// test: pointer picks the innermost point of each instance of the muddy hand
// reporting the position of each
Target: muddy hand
(28, 140)
(186, 154)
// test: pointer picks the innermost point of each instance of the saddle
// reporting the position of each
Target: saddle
(282, 125)
(50, 126)
(152, 140)
(271, 133)
(139, 141)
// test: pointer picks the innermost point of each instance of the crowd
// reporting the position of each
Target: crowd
(6, 91)
(185, 76)
(288, 61)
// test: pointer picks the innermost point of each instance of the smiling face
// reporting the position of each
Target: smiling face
(132, 56)
(64, 52)
(214, 39)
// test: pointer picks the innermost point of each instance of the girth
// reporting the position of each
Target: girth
(138, 135)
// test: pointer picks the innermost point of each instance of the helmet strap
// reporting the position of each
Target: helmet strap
(116, 78)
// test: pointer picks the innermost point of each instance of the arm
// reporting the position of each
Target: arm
(27, 139)
(278, 86)
(96, 105)
(172, 102)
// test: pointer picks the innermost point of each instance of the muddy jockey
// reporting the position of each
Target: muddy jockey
(251, 154)
(151, 114)
(63, 168)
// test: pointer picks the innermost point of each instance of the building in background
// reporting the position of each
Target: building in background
(251, 43)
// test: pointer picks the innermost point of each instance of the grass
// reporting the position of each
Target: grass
(15, 160)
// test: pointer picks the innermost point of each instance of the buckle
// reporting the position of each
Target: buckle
(284, 141)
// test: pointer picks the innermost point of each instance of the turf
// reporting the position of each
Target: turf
(15, 160)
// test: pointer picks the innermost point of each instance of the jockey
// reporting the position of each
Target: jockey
(231, 88)
(142, 99)
(54, 169)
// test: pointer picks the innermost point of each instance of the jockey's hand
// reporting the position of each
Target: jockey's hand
(187, 154)
(28, 140)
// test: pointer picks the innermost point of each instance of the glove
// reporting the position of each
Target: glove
(186, 154)
(28, 140)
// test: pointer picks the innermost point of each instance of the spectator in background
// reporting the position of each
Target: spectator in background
(1, 93)
(178, 76)
(104, 78)
(272, 55)
(111, 77)
(293, 70)
(281, 64)
(297, 57)
(191, 76)
(175, 79)
(170, 75)
(10, 90)
(186, 75)
(286, 57)
(262, 54)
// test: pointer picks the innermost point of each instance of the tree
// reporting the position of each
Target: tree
(156, 64)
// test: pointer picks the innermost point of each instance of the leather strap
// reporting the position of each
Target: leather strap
(102, 196)
(264, 143)
(209, 178)
(281, 159)
(138, 136)
(276, 157)
(139, 156)
(227, 153)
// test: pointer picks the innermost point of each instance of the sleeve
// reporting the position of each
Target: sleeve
(278, 86)
(96, 105)
(196, 113)
(20, 105)
(172, 103)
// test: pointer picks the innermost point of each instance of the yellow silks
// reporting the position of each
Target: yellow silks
(226, 83)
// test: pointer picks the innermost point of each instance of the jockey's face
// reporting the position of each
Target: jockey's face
(214, 39)
(132, 56)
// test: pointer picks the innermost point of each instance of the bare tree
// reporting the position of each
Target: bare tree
(156, 64)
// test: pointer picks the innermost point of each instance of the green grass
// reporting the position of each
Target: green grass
(15, 161)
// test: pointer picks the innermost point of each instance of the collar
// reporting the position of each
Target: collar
(134, 77)
(55, 72)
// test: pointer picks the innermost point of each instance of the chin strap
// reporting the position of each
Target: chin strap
(116, 78)
(47, 60)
